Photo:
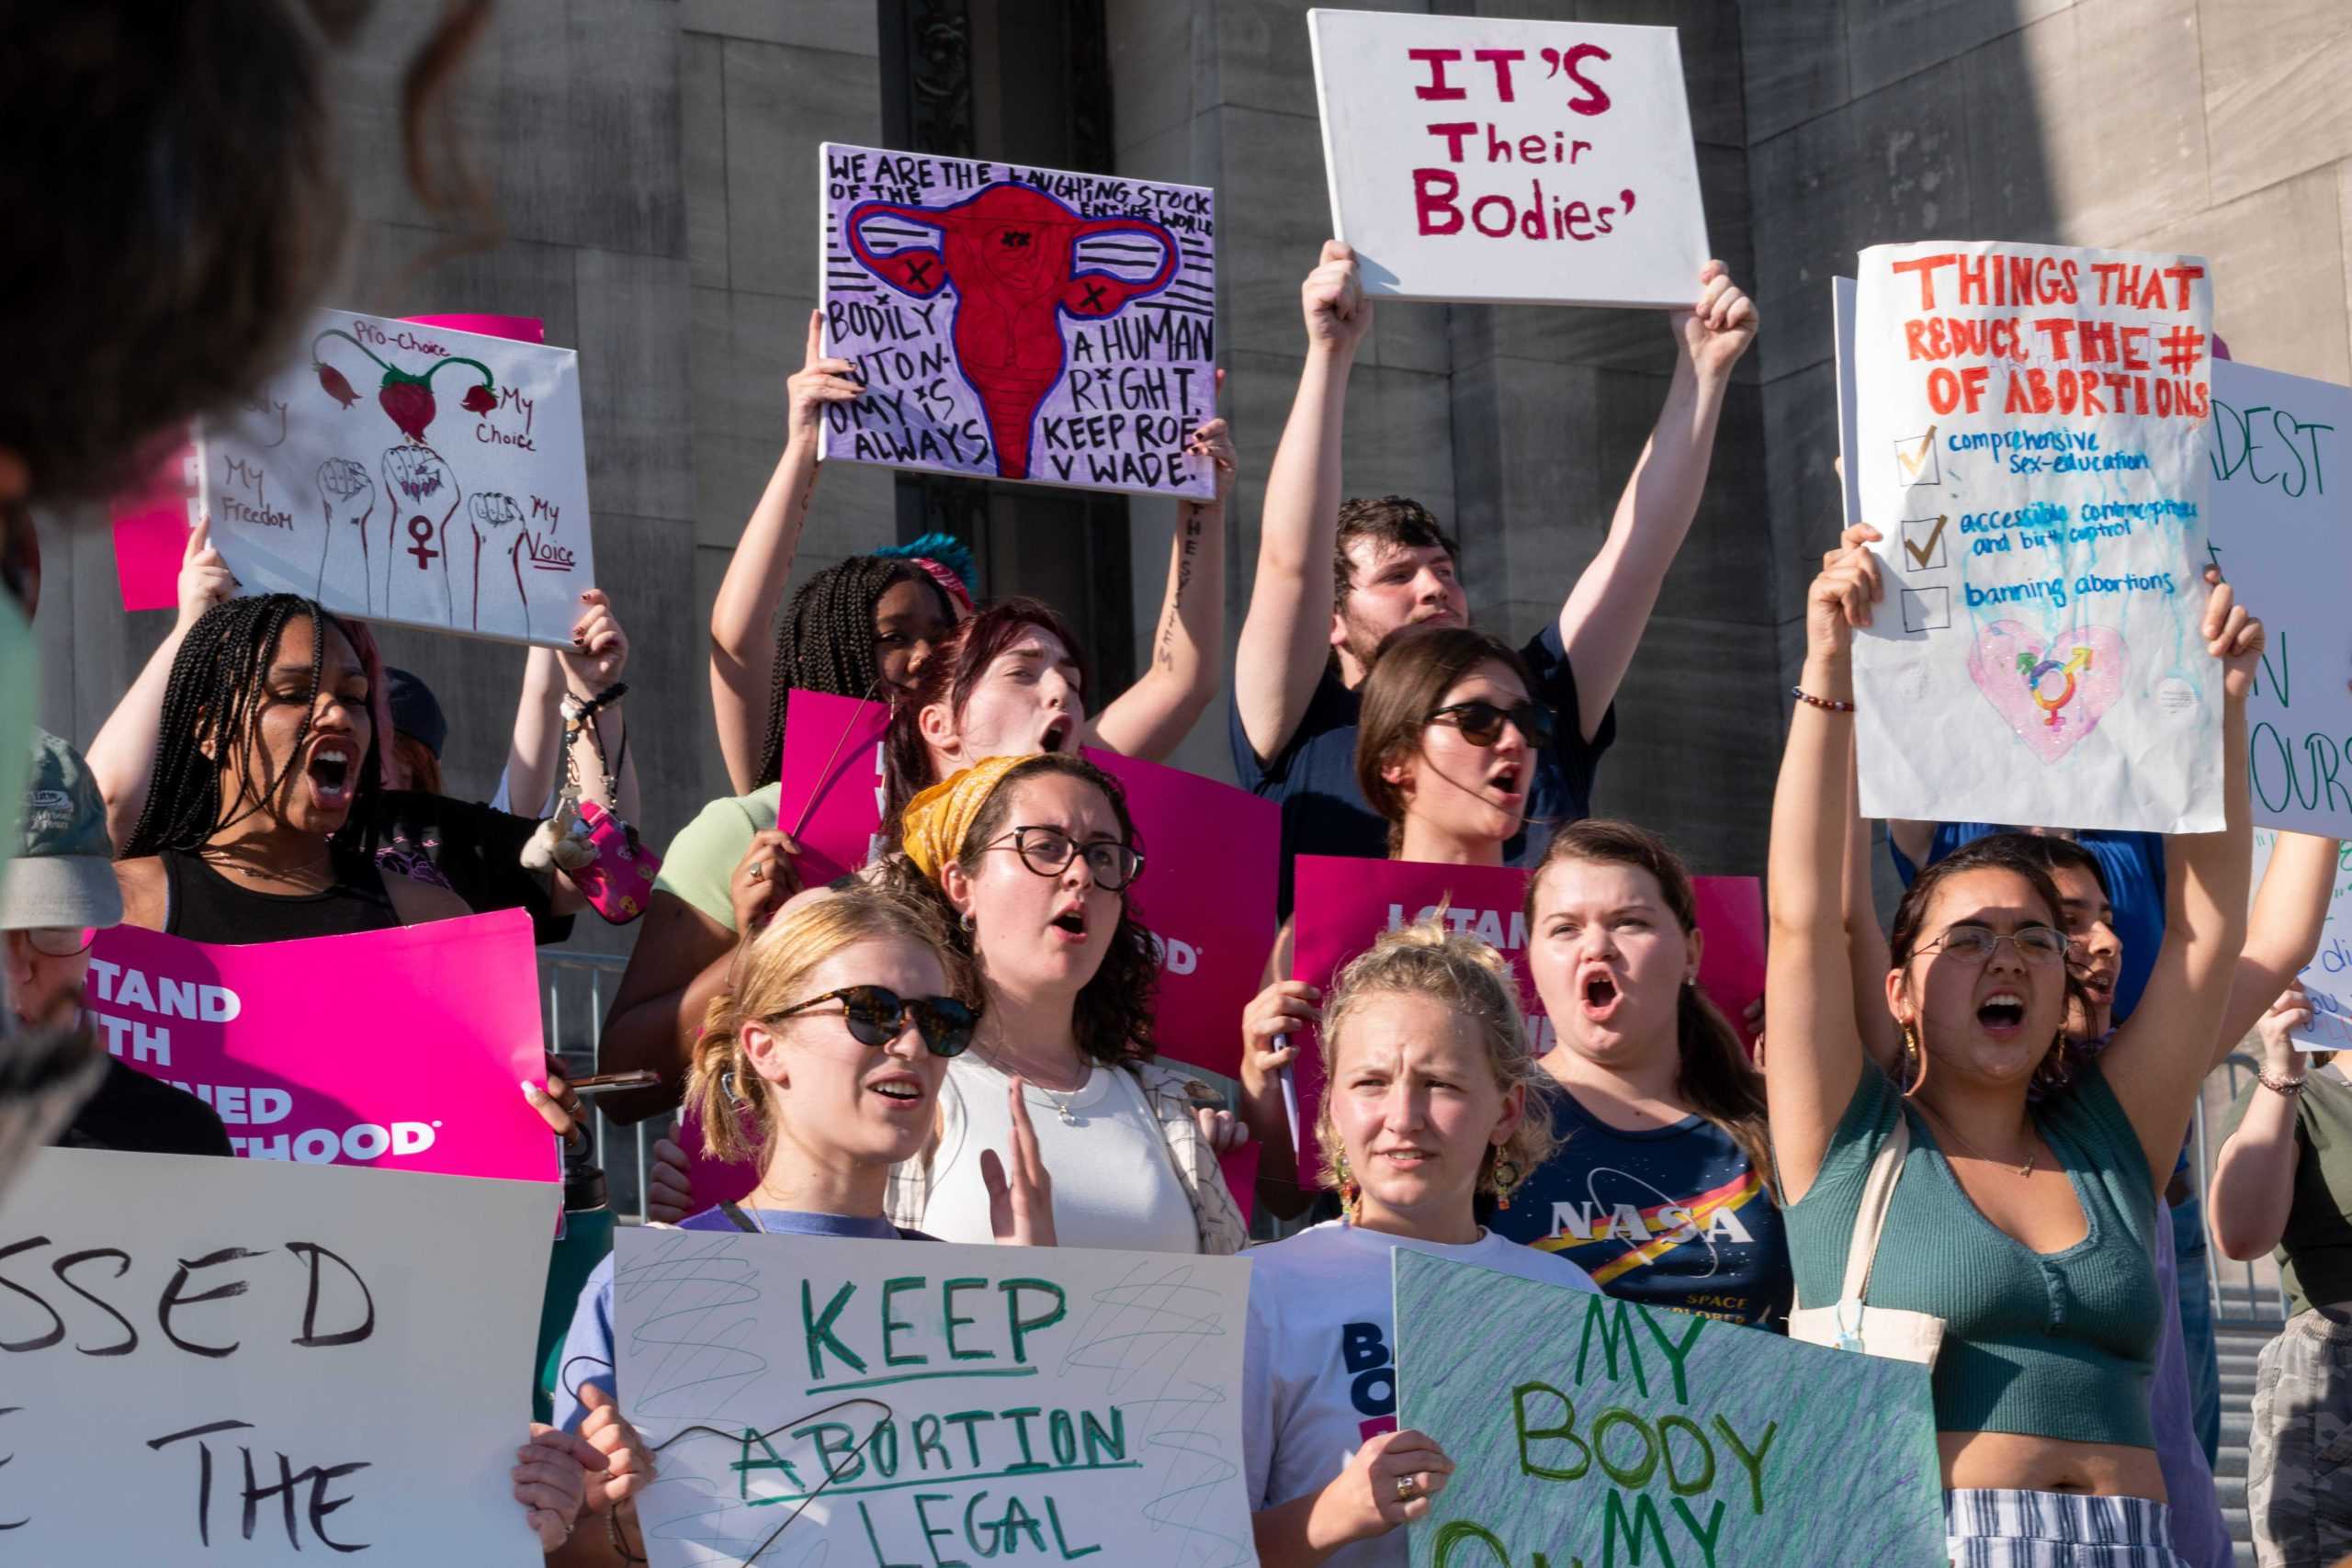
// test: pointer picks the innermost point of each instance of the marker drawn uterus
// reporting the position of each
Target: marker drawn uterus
(1011, 255)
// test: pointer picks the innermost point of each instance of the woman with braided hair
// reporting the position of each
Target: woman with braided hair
(268, 747)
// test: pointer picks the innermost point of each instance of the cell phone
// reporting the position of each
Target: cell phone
(600, 1083)
(620, 882)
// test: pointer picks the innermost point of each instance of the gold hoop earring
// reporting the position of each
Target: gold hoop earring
(1915, 1061)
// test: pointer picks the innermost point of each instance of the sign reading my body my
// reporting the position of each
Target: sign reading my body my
(1020, 323)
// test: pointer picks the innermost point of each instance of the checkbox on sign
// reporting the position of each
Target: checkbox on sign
(1915, 460)
(1923, 544)
(1927, 609)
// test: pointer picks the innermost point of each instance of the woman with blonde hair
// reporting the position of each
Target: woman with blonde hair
(1434, 1105)
(822, 1063)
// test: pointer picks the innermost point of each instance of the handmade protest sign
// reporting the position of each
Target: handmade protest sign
(932, 1404)
(235, 1360)
(2033, 430)
(1587, 1431)
(419, 1075)
(2285, 543)
(1206, 892)
(2327, 978)
(1343, 904)
(471, 518)
(1020, 323)
(1480, 159)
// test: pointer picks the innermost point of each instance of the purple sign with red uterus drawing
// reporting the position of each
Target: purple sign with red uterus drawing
(410, 473)
(1020, 323)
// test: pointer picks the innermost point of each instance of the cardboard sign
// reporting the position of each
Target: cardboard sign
(420, 1073)
(1587, 1429)
(1020, 323)
(236, 1361)
(912, 1403)
(1479, 159)
(417, 475)
(1344, 904)
(2327, 978)
(1208, 888)
(2285, 543)
(2032, 439)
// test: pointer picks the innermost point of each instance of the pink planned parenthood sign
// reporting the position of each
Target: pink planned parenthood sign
(1206, 892)
(1344, 904)
(420, 1071)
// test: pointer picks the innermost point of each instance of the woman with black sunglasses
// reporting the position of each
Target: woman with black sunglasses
(824, 1066)
(1034, 859)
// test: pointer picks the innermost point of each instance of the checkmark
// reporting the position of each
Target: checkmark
(1915, 460)
(1926, 554)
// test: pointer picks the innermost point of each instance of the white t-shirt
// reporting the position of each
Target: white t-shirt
(1319, 1368)
(1114, 1184)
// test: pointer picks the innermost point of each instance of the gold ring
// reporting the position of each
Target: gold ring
(1406, 1489)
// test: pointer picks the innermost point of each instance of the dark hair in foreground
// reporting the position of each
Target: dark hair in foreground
(1716, 1075)
(1115, 1009)
(1411, 672)
(824, 641)
(954, 669)
(216, 693)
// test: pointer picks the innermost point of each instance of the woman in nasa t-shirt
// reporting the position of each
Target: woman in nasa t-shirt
(1433, 1101)
(1660, 1190)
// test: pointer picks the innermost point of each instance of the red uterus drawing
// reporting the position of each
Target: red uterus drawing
(1010, 253)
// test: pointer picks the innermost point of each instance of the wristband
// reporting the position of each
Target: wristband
(1825, 703)
(2290, 1087)
(575, 710)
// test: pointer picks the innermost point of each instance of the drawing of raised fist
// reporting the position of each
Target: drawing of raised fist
(348, 498)
(491, 574)
(423, 495)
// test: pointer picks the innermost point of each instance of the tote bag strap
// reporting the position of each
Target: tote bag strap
(1870, 1219)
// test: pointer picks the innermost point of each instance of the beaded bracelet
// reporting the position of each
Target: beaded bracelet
(2287, 1086)
(1824, 704)
(576, 709)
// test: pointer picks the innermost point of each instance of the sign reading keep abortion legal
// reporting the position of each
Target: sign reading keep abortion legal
(1480, 159)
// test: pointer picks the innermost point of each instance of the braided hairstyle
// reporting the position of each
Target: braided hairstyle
(216, 693)
(825, 641)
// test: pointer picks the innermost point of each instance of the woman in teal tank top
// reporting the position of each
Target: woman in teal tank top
(2027, 1226)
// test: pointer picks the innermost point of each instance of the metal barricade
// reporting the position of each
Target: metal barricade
(575, 989)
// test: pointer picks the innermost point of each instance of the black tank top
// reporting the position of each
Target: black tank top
(205, 906)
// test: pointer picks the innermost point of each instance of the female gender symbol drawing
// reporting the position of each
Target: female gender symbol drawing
(1010, 251)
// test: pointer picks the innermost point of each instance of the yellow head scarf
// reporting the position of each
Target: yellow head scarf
(931, 828)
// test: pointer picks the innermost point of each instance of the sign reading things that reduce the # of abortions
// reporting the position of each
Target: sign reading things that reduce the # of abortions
(418, 1074)
(2032, 446)
(1589, 1431)
(1212, 913)
(1480, 159)
(413, 474)
(1020, 323)
(814, 1398)
(237, 1362)
(2284, 539)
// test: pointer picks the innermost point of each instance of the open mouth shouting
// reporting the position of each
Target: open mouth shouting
(1069, 923)
(1506, 785)
(1598, 993)
(1059, 733)
(333, 773)
(2002, 1014)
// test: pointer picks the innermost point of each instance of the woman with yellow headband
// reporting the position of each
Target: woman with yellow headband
(1035, 859)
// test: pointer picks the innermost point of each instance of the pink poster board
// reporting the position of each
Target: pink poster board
(1207, 890)
(1344, 904)
(151, 522)
(420, 1073)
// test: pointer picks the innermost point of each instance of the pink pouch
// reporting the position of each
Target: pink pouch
(620, 882)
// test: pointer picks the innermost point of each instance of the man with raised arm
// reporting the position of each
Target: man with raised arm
(1335, 578)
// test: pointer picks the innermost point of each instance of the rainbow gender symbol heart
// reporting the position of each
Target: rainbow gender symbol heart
(2050, 692)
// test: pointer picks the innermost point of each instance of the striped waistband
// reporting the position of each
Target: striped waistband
(2071, 1518)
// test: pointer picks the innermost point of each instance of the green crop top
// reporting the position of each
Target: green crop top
(2058, 1345)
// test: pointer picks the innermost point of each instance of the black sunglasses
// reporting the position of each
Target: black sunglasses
(877, 1015)
(1481, 723)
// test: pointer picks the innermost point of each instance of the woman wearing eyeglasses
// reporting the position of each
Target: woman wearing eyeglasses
(1034, 859)
(824, 1066)
(2024, 1225)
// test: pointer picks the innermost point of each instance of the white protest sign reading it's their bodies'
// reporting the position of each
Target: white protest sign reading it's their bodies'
(1500, 162)
(410, 474)
(2285, 543)
(1020, 323)
(818, 1399)
(2327, 978)
(256, 1362)
(2031, 435)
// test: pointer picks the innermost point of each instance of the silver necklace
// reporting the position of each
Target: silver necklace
(1060, 1102)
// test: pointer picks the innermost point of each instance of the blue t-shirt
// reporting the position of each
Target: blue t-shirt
(1674, 1217)
(1324, 811)
(588, 1347)
(2133, 864)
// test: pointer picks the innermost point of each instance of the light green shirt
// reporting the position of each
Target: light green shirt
(702, 859)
